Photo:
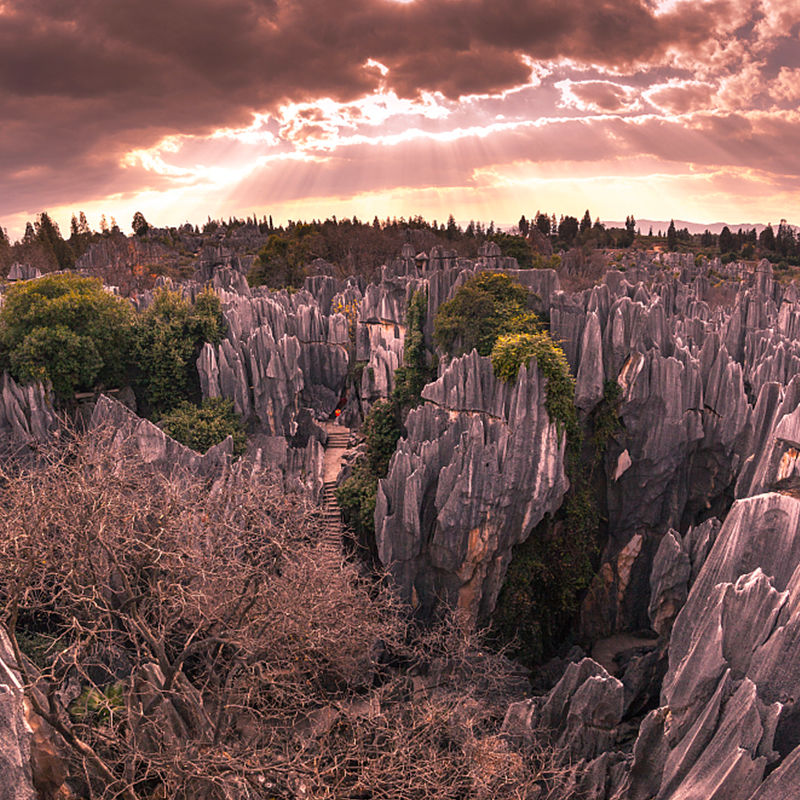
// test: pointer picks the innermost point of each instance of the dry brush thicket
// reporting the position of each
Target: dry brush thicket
(189, 641)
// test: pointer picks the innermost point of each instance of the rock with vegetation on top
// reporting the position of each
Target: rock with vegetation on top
(481, 466)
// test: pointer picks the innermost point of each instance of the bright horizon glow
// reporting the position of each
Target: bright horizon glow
(391, 115)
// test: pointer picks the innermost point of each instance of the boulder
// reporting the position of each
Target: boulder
(580, 714)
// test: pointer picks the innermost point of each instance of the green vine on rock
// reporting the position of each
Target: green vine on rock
(552, 569)
(383, 425)
(513, 350)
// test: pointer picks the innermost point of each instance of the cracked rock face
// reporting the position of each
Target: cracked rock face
(481, 466)
(152, 444)
(728, 697)
(26, 414)
(16, 780)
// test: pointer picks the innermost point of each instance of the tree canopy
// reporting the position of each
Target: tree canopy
(201, 427)
(485, 307)
(167, 341)
(65, 329)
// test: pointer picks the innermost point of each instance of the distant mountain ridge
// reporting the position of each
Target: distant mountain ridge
(694, 227)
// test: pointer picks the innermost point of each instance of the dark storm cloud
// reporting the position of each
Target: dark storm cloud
(85, 81)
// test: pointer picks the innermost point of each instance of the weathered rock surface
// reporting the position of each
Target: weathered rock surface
(22, 272)
(710, 410)
(481, 466)
(152, 444)
(16, 779)
(26, 414)
(580, 716)
(733, 663)
(581, 712)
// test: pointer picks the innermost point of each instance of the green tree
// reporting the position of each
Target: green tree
(766, 238)
(726, 243)
(48, 235)
(542, 222)
(515, 247)
(356, 496)
(201, 427)
(416, 371)
(452, 230)
(785, 242)
(140, 225)
(511, 351)
(168, 338)
(5, 252)
(485, 307)
(568, 230)
(630, 229)
(281, 262)
(68, 330)
(672, 236)
(383, 426)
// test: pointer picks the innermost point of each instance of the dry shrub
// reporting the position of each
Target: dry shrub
(199, 644)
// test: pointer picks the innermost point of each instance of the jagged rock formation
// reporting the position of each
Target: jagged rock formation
(301, 468)
(481, 466)
(728, 698)
(152, 444)
(26, 414)
(16, 779)
(709, 376)
(22, 272)
(580, 716)
(32, 763)
(214, 258)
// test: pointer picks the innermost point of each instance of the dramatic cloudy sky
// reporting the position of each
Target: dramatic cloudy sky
(486, 108)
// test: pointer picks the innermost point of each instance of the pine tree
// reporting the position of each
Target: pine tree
(767, 238)
(140, 225)
(672, 236)
(726, 244)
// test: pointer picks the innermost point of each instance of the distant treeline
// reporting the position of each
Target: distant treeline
(356, 246)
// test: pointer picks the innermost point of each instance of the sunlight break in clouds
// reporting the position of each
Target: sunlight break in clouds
(390, 108)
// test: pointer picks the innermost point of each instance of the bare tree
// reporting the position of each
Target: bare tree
(190, 641)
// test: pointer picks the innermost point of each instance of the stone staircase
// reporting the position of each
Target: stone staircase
(332, 526)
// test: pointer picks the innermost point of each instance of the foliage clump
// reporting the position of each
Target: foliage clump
(416, 370)
(168, 338)
(356, 496)
(513, 350)
(201, 427)
(552, 569)
(67, 330)
(281, 262)
(514, 246)
(485, 307)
